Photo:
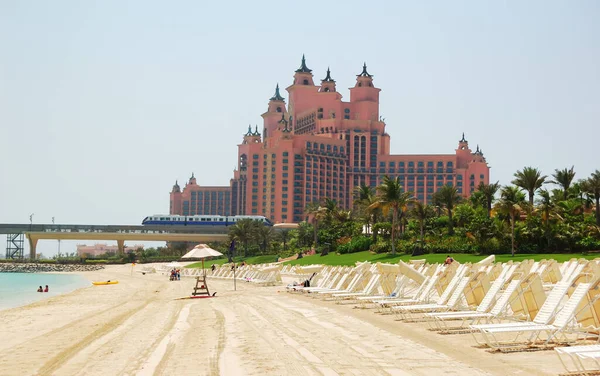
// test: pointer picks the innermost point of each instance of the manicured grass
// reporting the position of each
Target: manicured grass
(352, 258)
(250, 260)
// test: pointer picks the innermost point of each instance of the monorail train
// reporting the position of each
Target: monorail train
(201, 220)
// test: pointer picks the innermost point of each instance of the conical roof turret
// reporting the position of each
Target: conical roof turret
(303, 68)
(276, 96)
(364, 72)
(328, 77)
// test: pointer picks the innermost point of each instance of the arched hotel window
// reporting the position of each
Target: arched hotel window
(278, 109)
(305, 82)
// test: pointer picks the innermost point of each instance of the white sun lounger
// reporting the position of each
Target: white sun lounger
(563, 318)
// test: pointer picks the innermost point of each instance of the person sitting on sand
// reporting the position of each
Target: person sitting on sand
(40, 289)
(46, 289)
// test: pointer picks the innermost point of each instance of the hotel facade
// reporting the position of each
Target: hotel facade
(317, 146)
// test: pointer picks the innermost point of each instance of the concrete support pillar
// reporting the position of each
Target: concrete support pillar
(32, 247)
(121, 245)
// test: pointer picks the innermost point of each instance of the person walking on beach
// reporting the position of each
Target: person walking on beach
(46, 289)
(40, 289)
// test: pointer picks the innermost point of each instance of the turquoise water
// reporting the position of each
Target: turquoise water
(18, 289)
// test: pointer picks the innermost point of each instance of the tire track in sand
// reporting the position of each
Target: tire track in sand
(214, 361)
(62, 357)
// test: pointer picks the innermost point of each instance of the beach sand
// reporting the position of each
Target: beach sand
(138, 328)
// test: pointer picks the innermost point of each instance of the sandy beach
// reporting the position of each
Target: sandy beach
(137, 327)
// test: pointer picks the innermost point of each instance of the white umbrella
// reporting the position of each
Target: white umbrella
(202, 251)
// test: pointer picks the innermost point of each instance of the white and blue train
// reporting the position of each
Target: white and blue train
(201, 220)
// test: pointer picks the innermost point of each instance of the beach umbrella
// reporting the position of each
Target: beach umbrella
(202, 251)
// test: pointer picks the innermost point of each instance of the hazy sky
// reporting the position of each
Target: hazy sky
(103, 105)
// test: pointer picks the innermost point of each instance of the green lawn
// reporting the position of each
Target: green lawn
(352, 258)
(250, 260)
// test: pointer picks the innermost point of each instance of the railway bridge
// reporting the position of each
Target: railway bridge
(17, 232)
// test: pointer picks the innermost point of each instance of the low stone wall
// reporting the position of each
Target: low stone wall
(39, 268)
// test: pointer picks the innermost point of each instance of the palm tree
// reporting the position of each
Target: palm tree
(592, 187)
(284, 236)
(448, 197)
(304, 233)
(489, 192)
(365, 197)
(421, 212)
(317, 212)
(564, 178)
(391, 196)
(511, 203)
(243, 231)
(530, 179)
(546, 207)
(264, 235)
(331, 209)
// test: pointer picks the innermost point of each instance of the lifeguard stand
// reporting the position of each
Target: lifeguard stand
(201, 286)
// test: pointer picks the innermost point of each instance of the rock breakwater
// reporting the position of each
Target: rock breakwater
(40, 268)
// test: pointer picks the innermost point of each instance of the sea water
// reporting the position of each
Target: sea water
(18, 289)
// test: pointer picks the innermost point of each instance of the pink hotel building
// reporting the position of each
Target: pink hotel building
(319, 146)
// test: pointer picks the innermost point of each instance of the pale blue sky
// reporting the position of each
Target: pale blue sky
(103, 105)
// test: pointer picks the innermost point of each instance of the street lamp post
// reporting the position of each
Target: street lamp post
(58, 252)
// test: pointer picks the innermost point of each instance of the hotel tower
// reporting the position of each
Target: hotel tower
(315, 146)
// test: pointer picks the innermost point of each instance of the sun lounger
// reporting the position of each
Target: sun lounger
(407, 312)
(562, 320)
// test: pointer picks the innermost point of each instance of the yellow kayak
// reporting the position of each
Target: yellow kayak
(105, 283)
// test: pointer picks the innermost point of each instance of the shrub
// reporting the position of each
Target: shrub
(90, 261)
(357, 244)
(381, 247)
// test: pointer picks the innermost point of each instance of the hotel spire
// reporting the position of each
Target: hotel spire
(276, 96)
(303, 68)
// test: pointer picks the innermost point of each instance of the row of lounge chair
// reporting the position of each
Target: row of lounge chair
(513, 306)
(258, 273)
